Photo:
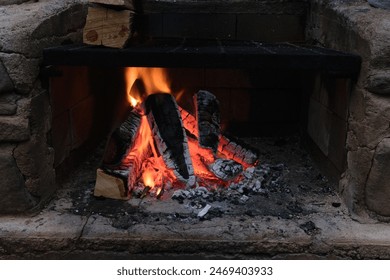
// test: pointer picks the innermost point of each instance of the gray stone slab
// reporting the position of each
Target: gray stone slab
(48, 225)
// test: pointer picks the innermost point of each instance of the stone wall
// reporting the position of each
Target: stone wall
(26, 158)
(357, 27)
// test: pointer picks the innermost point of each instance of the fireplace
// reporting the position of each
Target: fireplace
(263, 89)
(317, 85)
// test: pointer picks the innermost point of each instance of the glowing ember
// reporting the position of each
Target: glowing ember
(133, 102)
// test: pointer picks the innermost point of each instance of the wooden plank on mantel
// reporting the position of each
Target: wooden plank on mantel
(127, 4)
(107, 27)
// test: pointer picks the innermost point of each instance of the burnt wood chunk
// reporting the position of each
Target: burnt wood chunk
(121, 141)
(208, 118)
(189, 122)
(226, 146)
(235, 151)
(226, 169)
(168, 132)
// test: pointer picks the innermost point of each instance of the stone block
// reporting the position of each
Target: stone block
(5, 81)
(42, 24)
(35, 161)
(383, 4)
(13, 195)
(14, 128)
(378, 183)
(379, 82)
(8, 104)
(23, 71)
(12, 2)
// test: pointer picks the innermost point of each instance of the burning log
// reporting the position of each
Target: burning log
(236, 151)
(122, 140)
(168, 132)
(227, 147)
(208, 119)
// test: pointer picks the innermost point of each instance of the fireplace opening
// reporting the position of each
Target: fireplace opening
(282, 103)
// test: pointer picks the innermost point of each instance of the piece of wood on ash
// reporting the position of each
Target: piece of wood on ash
(127, 4)
(171, 141)
(108, 27)
(230, 148)
(208, 119)
(110, 186)
(226, 169)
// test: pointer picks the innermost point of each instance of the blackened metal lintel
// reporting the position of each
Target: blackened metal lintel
(195, 53)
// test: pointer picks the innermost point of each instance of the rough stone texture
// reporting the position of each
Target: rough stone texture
(360, 28)
(378, 183)
(25, 120)
(12, 2)
(13, 195)
(14, 129)
(35, 26)
(5, 81)
(379, 82)
(8, 103)
(383, 4)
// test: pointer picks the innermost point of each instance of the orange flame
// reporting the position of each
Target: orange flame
(147, 177)
(142, 81)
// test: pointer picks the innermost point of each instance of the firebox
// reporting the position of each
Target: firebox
(262, 89)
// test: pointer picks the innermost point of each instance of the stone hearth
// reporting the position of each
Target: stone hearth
(26, 154)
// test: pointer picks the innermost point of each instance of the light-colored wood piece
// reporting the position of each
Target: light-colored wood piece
(128, 4)
(110, 186)
(107, 27)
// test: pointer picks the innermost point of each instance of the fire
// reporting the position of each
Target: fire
(133, 102)
(148, 180)
(154, 174)
(142, 81)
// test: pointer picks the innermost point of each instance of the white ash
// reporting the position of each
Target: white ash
(204, 211)
(258, 180)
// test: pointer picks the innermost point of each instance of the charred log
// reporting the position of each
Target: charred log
(226, 169)
(168, 132)
(229, 148)
(208, 119)
(238, 152)
(121, 141)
